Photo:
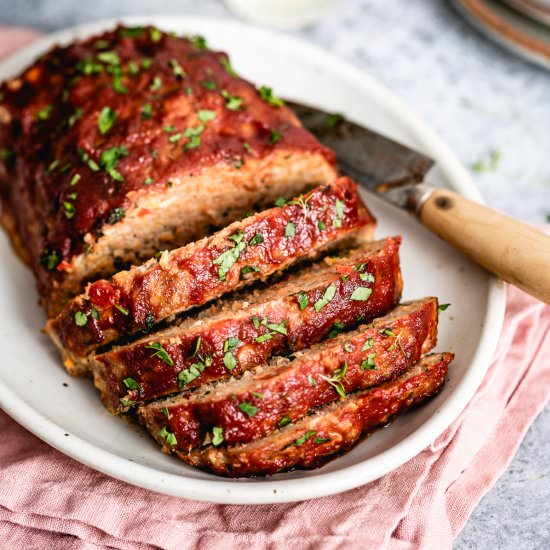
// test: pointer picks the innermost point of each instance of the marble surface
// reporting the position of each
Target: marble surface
(494, 111)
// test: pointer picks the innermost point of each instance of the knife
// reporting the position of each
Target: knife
(508, 248)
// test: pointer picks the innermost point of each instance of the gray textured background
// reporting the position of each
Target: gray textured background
(484, 102)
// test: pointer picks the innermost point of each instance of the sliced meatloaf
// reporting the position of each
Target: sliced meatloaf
(331, 430)
(244, 252)
(134, 141)
(286, 390)
(236, 335)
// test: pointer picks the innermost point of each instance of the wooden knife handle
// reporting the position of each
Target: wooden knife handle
(510, 249)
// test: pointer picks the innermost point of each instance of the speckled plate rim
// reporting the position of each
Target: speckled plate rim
(225, 491)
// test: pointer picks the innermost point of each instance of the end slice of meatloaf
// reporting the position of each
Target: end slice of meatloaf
(135, 141)
(331, 430)
(286, 390)
(257, 246)
(229, 338)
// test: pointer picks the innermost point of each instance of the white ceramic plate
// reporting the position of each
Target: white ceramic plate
(72, 418)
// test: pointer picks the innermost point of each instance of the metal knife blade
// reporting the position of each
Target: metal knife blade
(380, 164)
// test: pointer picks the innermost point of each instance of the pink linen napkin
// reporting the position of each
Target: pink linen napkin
(48, 500)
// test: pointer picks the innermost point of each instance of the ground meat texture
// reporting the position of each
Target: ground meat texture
(135, 141)
(332, 430)
(135, 300)
(231, 337)
(283, 392)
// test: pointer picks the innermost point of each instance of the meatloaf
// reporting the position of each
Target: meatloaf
(233, 336)
(256, 247)
(329, 431)
(286, 390)
(135, 141)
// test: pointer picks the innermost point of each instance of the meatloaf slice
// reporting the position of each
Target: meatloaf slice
(244, 252)
(135, 141)
(286, 390)
(234, 336)
(331, 430)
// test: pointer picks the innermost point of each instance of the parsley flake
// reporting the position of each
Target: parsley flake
(80, 318)
(336, 380)
(303, 300)
(217, 436)
(329, 294)
(161, 353)
(339, 206)
(131, 384)
(284, 421)
(233, 103)
(226, 259)
(248, 408)
(443, 307)
(44, 113)
(267, 95)
(205, 115)
(106, 120)
(169, 437)
(155, 84)
(368, 363)
(301, 440)
(146, 111)
(177, 69)
(290, 230)
(361, 294)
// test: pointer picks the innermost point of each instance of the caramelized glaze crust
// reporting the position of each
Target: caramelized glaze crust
(332, 430)
(232, 337)
(252, 407)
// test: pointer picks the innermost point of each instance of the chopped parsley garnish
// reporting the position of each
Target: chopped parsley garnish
(131, 384)
(127, 402)
(348, 347)
(115, 215)
(148, 181)
(155, 34)
(118, 84)
(258, 395)
(229, 360)
(44, 113)
(146, 111)
(198, 41)
(443, 307)
(339, 213)
(205, 115)
(396, 344)
(197, 347)
(49, 259)
(304, 438)
(274, 136)
(361, 294)
(248, 408)
(75, 116)
(333, 119)
(249, 269)
(74, 180)
(256, 322)
(321, 440)
(69, 209)
(166, 412)
(174, 138)
(156, 84)
(303, 300)
(217, 436)
(131, 32)
(274, 329)
(369, 342)
(194, 371)
(122, 309)
(367, 277)
(327, 297)
(133, 67)
(290, 230)
(177, 69)
(109, 159)
(80, 318)
(161, 353)
(257, 239)
(280, 202)
(209, 84)
(146, 63)
(233, 103)
(193, 142)
(311, 381)
(110, 58)
(89, 66)
(169, 437)
(321, 225)
(336, 380)
(336, 329)
(267, 95)
(368, 363)
(227, 66)
(247, 147)
(226, 259)
(284, 421)
(106, 120)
